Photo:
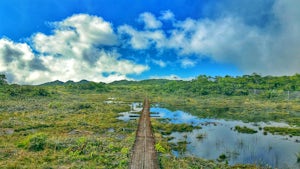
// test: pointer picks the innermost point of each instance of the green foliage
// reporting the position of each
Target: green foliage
(222, 157)
(2, 80)
(125, 150)
(201, 136)
(159, 148)
(245, 129)
(86, 85)
(36, 142)
(41, 92)
(283, 130)
(168, 128)
(83, 106)
(74, 119)
(267, 87)
(180, 146)
(66, 129)
(27, 91)
(298, 157)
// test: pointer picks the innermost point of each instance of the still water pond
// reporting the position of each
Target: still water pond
(219, 137)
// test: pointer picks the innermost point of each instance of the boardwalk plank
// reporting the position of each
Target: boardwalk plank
(144, 155)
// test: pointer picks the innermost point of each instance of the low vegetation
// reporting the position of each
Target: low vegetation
(167, 128)
(283, 130)
(298, 157)
(63, 129)
(201, 136)
(222, 157)
(245, 129)
(68, 124)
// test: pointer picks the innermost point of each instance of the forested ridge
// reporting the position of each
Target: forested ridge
(266, 86)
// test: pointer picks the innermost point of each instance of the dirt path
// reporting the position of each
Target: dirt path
(144, 155)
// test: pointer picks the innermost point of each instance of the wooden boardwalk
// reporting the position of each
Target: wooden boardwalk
(144, 155)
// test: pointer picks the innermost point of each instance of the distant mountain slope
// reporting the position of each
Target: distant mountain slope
(142, 82)
(54, 83)
(70, 82)
(121, 82)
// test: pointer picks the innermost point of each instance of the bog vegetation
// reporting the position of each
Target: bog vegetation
(69, 124)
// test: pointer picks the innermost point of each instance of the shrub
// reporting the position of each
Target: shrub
(245, 130)
(82, 106)
(222, 157)
(41, 92)
(160, 148)
(35, 142)
(283, 130)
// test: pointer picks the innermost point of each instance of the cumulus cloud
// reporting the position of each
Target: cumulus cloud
(263, 39)
(160, 62)
(149, 20)
(80, 47)
(142, 39)
(76, 35)
(256, 36)
(268, 49)
(18, 60)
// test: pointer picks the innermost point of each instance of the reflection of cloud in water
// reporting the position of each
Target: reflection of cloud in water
(179, 116)
(131, 115)
(220, 137)
(136, 107)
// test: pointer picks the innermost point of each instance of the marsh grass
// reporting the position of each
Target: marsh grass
(167, 128)
(298, 157)
(283, 130)
(201, 136)
(70, 127)
(245, 129)
(66, 130)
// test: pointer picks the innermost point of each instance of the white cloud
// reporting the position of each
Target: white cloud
(167, 15)
(160, 62)
(109, 62)
(149, 20)
(18, 61)
(75, 35)
(270, 49)
(76, 50)
(267, 44)
(86, 47)
(186, 63)
(142, 39)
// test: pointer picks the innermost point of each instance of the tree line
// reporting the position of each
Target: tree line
(266, 86)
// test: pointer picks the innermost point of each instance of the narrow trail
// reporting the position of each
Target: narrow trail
(144, 155)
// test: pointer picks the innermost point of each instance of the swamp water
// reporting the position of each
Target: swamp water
(218, 137)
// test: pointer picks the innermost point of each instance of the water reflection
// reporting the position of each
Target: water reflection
(219, 137)
(133, 113)
(177, 117)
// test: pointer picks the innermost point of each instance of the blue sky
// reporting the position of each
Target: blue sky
(109, 40)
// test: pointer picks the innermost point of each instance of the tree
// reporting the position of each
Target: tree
(2, 79)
